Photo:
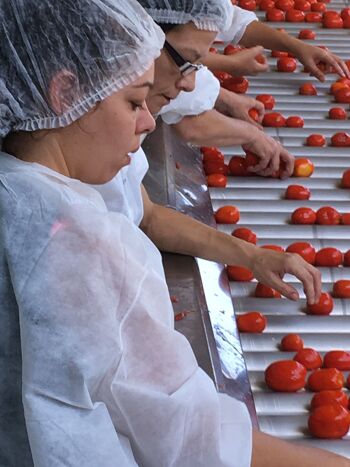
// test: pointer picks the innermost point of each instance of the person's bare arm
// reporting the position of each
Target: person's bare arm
(238, 105)
(175, 232)
(269, 451)
(212, 128)
(238, 64)
(259, 33)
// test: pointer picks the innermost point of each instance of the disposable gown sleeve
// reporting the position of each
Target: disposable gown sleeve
(103, 368)
(241, 19)
(201, 99)
(70, 344)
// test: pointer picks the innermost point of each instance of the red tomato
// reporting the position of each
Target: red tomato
(307, 34)
(345, 181)
(265, 5)
(307, 89)
(227, 215)
(327, 216)
(279, 54)
(343, 95)
(297, 192)
(333, 23)
(263, 291)
(337, 113)
(285, 376)
(319, 7)
(253, 321)
(330, 421)
(212, 155)
(213, 50)
(338, 359)
(303, 216)
(345, 13)
(331, 14)
(231, 49)
(254, 114)
(291, 342)
(337, 85)
(346, 23)
(316, 140)
(236, 84)
(267, 100)
(284, 5)
(323, 307)
(295, 16)
(341, 288)
(249, 5)
(310, 358)
(237, 167)
(347, 258)
(313, 17)
(250, 160)
(327, 397)
(303, 167)
(304, 249)
(274, 119)
(295, 122)
(239, 273)
(302, 5)
(222, 76)
(274, 15)
(329, 257)
(217, 180)
(286, 64)
(245, 234)
(277, 248)
(325, 379)
(215, 167)
(340, 139)
(345, 218)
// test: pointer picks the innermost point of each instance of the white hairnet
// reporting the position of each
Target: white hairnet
(211, 15)
(98, 46)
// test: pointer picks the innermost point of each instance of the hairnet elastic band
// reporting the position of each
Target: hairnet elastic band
(168, 17)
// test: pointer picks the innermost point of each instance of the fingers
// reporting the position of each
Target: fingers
(259, 106)
(314, 70)
(285, 289)
(309, 276)
(288, 163)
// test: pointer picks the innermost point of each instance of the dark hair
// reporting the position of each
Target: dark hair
(166, 27)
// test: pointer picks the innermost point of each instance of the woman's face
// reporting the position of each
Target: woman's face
(100, 142)
(193, 44)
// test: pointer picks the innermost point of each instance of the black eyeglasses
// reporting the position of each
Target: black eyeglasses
(185, 66)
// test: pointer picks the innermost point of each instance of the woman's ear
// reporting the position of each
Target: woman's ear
(62, 91)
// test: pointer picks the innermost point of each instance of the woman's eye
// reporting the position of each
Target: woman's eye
(137, 105)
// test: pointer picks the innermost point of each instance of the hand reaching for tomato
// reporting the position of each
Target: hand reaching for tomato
(245, 62)
(270, 266)
(311, 56)
(238, 106)
(271, 156)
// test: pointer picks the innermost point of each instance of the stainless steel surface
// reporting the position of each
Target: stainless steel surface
(264, 210)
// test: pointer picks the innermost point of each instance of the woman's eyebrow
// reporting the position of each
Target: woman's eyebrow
(148, 84)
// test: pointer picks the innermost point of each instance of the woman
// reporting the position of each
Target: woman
(87, 342)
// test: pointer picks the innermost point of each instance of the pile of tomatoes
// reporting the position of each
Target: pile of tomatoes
(310, 11)
(329, 406)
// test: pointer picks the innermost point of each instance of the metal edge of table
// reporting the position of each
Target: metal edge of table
(176, 179)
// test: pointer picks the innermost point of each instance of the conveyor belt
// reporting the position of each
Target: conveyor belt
(285, 415)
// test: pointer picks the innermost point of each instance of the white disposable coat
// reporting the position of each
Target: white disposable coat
(241, 19)
(201, 99)
(105, 378)
(123, 193)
